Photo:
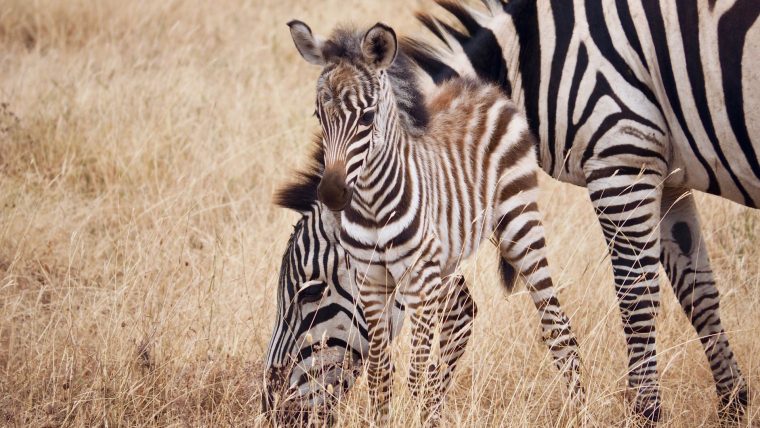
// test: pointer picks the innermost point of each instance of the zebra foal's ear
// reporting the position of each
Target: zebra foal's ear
(379, 46)
(309, 46)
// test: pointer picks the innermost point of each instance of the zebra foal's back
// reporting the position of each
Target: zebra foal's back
(477, 146)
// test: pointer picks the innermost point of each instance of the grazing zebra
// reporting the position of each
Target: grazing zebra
(319, 324)
(419, 186)
(640, 102)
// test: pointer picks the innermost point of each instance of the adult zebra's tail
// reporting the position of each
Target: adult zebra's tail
(472, 51)
(507, 274)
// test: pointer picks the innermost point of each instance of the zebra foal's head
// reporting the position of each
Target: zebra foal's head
(361, 72)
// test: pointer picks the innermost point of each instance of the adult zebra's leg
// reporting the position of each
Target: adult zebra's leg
(522, 245)
(627, 203)
(685, 259)
(459, 311)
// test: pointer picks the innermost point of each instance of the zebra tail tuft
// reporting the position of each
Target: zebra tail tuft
(428, 59)
(507, 274)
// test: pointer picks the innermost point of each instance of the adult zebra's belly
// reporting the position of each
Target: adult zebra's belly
(715, 128)
(731, 177)
(718, 149)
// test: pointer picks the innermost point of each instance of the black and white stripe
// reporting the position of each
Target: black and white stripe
(320, 336)
(640, 102)
(416, 200)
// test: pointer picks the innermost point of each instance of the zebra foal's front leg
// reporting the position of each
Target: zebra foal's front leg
(376, 300)
(422, 295)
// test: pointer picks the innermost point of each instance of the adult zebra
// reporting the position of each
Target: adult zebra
(320, 336)
(639, 102)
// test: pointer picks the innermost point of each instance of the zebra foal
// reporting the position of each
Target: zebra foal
(419, 185)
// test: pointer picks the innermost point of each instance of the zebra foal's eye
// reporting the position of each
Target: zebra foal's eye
(312, 292)
(366, 118)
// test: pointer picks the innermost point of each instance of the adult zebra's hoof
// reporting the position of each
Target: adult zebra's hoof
(733, 405)
(648, 416)
(647, 408)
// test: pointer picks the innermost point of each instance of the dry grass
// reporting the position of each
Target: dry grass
(140, 143)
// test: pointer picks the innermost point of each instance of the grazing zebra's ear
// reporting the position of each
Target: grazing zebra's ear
(379, 46)
(309, 46)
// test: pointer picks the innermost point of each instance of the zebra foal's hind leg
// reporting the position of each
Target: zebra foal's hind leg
(687, 264)
(522, 245)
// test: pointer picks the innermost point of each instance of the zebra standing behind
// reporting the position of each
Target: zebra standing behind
(640, 102)
(419, 186)
(320, 336)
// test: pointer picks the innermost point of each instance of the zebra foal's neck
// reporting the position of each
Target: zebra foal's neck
(443, 181)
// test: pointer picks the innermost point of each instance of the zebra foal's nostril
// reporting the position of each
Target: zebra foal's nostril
(333, 190)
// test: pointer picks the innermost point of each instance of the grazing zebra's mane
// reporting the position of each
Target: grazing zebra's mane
(301, 193)
(344, 44)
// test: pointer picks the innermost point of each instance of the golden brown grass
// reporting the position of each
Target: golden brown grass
(140, 143)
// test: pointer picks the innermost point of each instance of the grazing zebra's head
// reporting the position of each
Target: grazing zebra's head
(366, 83)
(320, 334)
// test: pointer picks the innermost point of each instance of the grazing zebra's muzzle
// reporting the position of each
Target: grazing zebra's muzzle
(333, 190)
(305, 393)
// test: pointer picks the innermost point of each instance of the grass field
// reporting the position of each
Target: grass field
(140, 144)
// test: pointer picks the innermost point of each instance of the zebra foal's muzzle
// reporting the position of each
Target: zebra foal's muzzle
(333, 191)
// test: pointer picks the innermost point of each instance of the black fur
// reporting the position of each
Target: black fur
(479, 44)
(682, 234)
(507, 274)
(419, 52)
(300, 194)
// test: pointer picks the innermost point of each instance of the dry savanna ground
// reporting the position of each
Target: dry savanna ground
(140, 144)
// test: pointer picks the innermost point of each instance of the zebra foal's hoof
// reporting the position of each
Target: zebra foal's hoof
(732, 406)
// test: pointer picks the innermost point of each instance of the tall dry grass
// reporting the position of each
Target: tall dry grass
(140, 143)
